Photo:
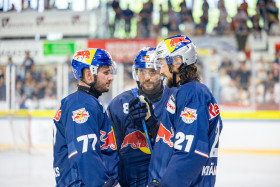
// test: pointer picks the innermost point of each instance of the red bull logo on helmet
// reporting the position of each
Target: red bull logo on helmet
(109, 141)
(145, 59)
(174, 43)
(165, 135)
(80, 115)
(188, 115)
(136, 140)
(85, 55)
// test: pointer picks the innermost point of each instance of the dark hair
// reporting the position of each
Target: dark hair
(188, 73)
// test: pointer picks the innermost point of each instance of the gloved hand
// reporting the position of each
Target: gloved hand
(137, 111)
(151, 119)
(111, 182)
(155, 183)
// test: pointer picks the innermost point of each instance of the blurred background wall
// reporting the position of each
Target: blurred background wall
(238, 45)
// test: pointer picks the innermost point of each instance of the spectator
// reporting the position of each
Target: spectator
(228, 66)
(229, 93)
(241, 36)
(28, 62)
(223, 24)
(214, 62)
(127, 15)
(118, 15)
(13, 9)
(243, 97)
(260, 90)
(173, 28)
(189, 26)
(275, 28)
(243, 77)
(272, 13)
(29, 84)
(200, 28)
(277, 58)
(2, 86)
(145, 16)
(205, 9)
(20, 95)
(28, 8)
(244, 6)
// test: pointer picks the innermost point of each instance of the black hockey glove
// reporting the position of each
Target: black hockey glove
(137, 111)
(151, 119)
(111, 182)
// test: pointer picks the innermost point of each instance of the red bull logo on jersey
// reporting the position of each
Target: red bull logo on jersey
(57, 114)
(173, 43)
(109, 141)
(214, 110)
(136, 140)
(165, 135)
(145, 59)
(188, 115)
(80, 115)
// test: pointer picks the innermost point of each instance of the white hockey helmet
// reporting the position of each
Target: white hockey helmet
(177, 46)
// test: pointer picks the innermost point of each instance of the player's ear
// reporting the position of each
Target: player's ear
(87, 75)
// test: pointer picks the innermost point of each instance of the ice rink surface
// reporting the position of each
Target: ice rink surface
(234, 170)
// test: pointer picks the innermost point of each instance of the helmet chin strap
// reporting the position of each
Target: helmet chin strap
(92, 90)
(174, 77)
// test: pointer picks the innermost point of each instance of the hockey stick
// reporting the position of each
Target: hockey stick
(141, 98)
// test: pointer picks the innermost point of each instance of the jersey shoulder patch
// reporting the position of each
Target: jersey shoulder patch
(188, 115)
(171, 105)
(80, 115)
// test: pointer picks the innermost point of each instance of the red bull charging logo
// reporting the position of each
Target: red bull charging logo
(85, 55)
(188, 115)
(80, 115)
(165, 135)
(109, 141)
(145, 59)
(174, 42)
(136, 140)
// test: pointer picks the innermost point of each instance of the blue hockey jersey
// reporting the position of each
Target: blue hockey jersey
(133, 148)
(186, 147)
(85, 152)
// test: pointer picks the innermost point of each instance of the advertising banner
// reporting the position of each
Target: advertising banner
(122, 49)
(29, 24)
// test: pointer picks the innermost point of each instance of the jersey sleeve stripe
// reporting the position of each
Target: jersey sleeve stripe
(72, 154)
(201, 154)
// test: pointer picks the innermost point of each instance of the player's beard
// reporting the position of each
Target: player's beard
(152, 90)
(102, 86)
(169, 82)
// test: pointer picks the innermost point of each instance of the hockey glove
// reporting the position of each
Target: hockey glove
(137, 111)
(111, 182)
(151, 119)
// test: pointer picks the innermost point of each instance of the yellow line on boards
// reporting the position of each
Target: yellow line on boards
(249, 151)
(265, 115)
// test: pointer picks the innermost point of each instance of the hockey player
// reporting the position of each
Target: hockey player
(126, 113)
(186, 147)
(85, 151)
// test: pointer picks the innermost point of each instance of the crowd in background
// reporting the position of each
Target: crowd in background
(266, 19)
(230, 80)
(35, 86)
